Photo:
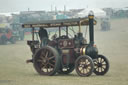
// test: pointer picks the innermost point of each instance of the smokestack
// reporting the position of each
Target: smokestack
(91, 27)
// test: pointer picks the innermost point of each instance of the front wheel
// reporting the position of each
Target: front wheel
(101, 65)
(84, 65)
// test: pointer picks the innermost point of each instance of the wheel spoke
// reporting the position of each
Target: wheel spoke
(99, 60)
(80, 66)
(51, 57)
(96, 66)
(46, 54)
(102, 61)
(80, 61)
(51, 64)
(43, 65)
(47, 69)
(81, 70)
(86, 61)
(98, 69)
(95, 62)
(103, 67)
(86, 70)
(103, 64)
(50, 67)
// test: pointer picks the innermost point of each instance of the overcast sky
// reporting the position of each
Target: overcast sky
(23, 5)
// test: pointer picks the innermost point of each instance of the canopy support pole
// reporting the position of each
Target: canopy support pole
(33, 34)
(59, 32)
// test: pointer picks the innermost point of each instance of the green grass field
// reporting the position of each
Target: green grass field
(113, 44)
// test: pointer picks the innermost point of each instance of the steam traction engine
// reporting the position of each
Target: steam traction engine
(64, 54)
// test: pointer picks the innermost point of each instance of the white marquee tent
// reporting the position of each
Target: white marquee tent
(99, 13)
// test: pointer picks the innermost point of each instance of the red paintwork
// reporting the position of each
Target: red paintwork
(72, 56)
(9, 34)
(66, 43)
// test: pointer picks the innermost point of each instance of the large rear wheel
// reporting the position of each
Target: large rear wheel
(101, 65)
(84, 66)
(46, 61)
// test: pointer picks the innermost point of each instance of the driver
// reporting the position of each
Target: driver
(43, 36)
